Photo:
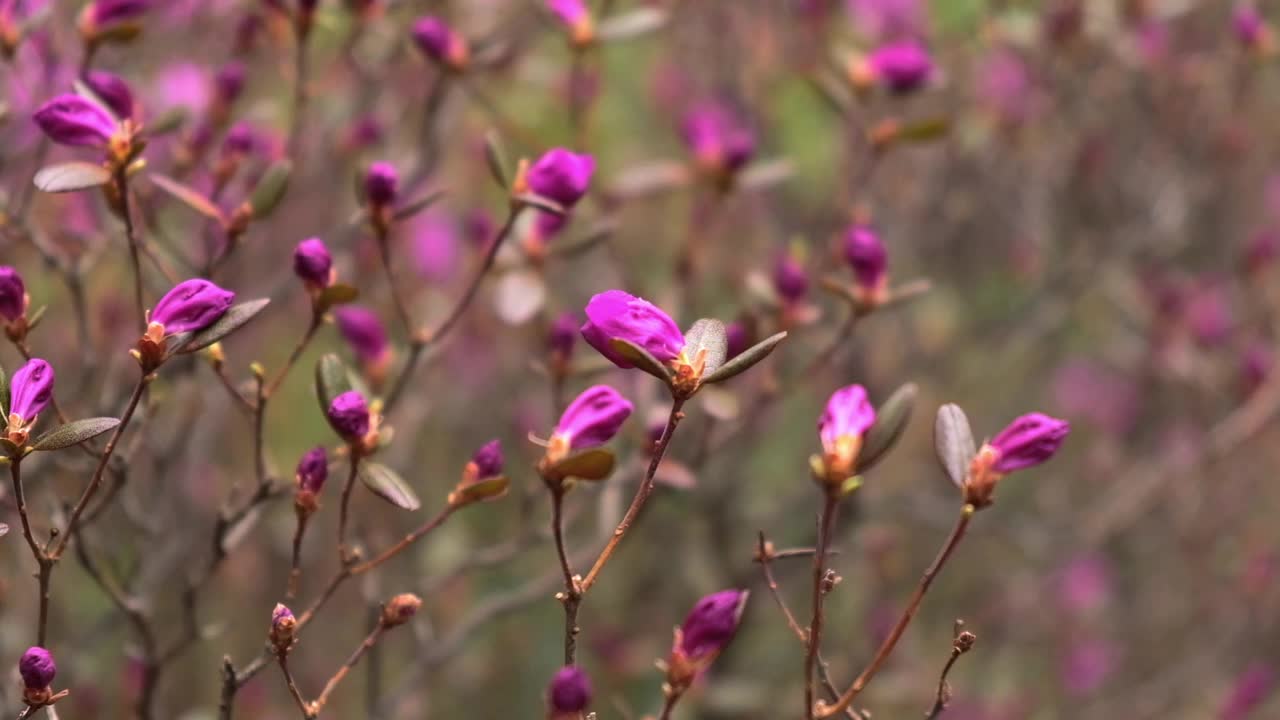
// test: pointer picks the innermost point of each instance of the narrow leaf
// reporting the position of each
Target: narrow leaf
(641, 358)
(332, 380)
(496, 157)
(418, 205)
(188, 196)
(231, 320)
(337, 294)
(924, 130)
(648, 179)
(746, 359)
(74, 433)
(626, 26)
(490, 488)
(270, 189)
(4, 391)
(71, 177)
(891, 421)
(593, 464)
(388, 485)
(707, 335)
(953, 440)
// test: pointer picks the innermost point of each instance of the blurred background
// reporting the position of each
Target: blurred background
(1089, 188)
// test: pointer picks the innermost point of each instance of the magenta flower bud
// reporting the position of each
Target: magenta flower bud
(13, 294)
(240, 139)
(592, 419)
(712, 623)
(847, 417)
(439, 42)
(789, 278)
(281, 615)
(1250, 691)
(547, 225)
(1262, 250)
(903, 66)
(191, 306)
(563, 334)
(866, 255)
(717, 139)
(738, 338)
(363, 331)
(109, 12)
(381, 184)
(313, 469)
(229, 82)
(570, 12)
(1255, 366)
(562, 175)
(37, 668)
(312, 263)
(75, 121)
(1027, 441)
(569, 692)
(616, 314)
(488, 459)
(349, 415)
(889, 19)
(30, 390)
(1248, 25)
(112, 90)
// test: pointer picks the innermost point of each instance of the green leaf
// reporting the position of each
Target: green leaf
(231, 320)
(168, 121)
(628, 25)
(641, 358)
(34, 319)
(745, 359)
(332, 379)
(188, 196)
(891, 421)
(593, 464)
(924, 130)
(388, 485)
(953, 441)
(71, 177)
(709, 335)
(490, 488)
(270, 189)
(337, 294)
(74, 433)
(418, 205)
(496, 158)
(4, 394)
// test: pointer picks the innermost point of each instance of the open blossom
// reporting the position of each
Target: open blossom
(440, 42)
(592, 419)
(73, 120)
(902, 67)
(569, 692)
(37, 668)
(1028, 441)
(113, 91)
(381, 184)
(717, 139)
(13, 294)
(349, 415)
(191, 306)
(846, 418)
(313, 263)
(562, 175)
(313, 469)
(867, 256)
(712, 623)
(363, 331)
(616, 314)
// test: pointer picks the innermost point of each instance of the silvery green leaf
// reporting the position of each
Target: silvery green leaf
(388, 485)
(953, 440)
(418, 205)
(496, 158)
(232, 320)
(270, 190)
(891, 421)
(746, 359)
(74, 433)
(188, 196)
(71, 177)
(332, 379)
(707, 335)
(641, 358)
(542, 203)
(628, 25)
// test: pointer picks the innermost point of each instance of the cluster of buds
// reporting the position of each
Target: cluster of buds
(482, 477)
(355, 422)
(191, 306)
(38, 670)
(591, 420)
(79, 122)
(14, 302)
(284, 629)
(400, 610)
(561, 176)
(706, 632)
(30, 391)
(841, 428)
(312, 471)
(568, 694)
(1027, 441)
(577, 20)
(441, 43)
(364, 332)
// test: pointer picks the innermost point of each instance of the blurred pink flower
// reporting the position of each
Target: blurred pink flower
(1255, 365)
(1208, 313)
(1084, 584)
(1086, 665)
(883, 20)
(1251, 690)
(1005, 86)
(181, 85)
(435, 246)
(1101, 396)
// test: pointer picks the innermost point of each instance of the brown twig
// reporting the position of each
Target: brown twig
(814, 644)
(43, 561)
(344, 555)
(360, 651)
(122, 187)
(961, 643)
(571, 598)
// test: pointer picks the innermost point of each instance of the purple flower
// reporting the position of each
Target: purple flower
(562, 175)
(563, 334)
(1262, 250)
(789, 278)
(30, 390)
(435, 246)
(866, 255)
(313, 469)
(1248, 24)
(75, 121)
(113, 91)
(1208, 314)
(571, 12)
(1005, 85)
(381, 184)
(1086, 666)
(903, 66)
(712, 623)
(349, 415)
(848, 415)
(1084, 585)
(1102, 396)
(240, 139)
(191, 306)
(184, 86)
(569, 692)
(1251, 690)
(717, 139)
(229, 82)
(37, 668)
(1028, 441)
(616, 314)
(312, 263)
(738, 338)
(108, 12)
(363, 331)
(13, 294)
(488, 459)
(592, 419)
(439, 41)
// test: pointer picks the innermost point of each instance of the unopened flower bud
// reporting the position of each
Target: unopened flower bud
(440, 42)
(349, 416)
(712, 623)
(30, 391)
(75, 121)
(113, 91)
(616, 314)
(103, 16)
(284, 627)
(902, 67)
(562, 175)
(563, 335)
(364, 332)
(866, 255)
(592, 419)
(13, 294)
(313, 264)
(739, 337)
(229, 82)
(313, 469)
(720, 144)
(789, 278)
(1028, 441)
(400, 609)
(569, 692)
(576, 18)
(846, 418)
(488, 460)
(37, 668)
(381, 184)
(191, 306)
